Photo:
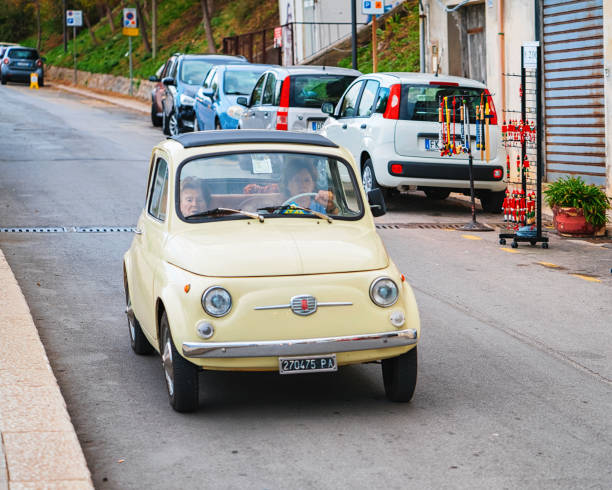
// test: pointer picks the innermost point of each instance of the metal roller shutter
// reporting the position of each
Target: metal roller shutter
(574, 90)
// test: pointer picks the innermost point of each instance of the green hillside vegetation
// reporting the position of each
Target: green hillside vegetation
(179, 29)
(398, 43)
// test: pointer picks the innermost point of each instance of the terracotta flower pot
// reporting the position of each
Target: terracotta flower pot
(571, 221)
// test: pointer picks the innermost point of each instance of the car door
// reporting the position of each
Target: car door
(151, 233)
(360, 128)
(204, 103)
(340, 129)
(159, 90)
(268, 109)
(170, 90)
(249, 119)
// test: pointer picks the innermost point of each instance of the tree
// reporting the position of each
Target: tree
(206, 15)
(143, 28)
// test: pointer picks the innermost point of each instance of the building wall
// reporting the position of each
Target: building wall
(607, 8)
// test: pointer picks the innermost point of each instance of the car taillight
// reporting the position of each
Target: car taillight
(397, 168)
(6, 61)
(282, 116)
(39, 63)
(393, 102)
(492, 112)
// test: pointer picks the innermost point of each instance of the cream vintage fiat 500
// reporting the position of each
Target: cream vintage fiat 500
(257, 250)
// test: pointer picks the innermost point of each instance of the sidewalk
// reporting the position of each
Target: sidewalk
(124, 101)
(38, 445)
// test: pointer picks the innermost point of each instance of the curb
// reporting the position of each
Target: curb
(38, 444)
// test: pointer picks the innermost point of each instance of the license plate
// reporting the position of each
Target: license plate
(432, 145)
(316, 125)
(307, 364)
(23, 63)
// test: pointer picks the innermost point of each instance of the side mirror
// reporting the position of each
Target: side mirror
(328, 108)
(153, 78)
(168, 81)
(244, 101)
(377, 202)
(208, 92)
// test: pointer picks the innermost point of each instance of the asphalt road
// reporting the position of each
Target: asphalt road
(515, 380)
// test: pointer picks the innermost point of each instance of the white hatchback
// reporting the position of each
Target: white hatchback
(390, 123)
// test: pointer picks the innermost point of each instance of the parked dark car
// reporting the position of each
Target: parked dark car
(181, 78)
(18, 63)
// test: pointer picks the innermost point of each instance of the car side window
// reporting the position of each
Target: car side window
(173, 69)
(256, 95)
(159, 192)
(208, 80)
(366, 104)
(214, 83)
(268, 93)
(381, 100)
(349, 101)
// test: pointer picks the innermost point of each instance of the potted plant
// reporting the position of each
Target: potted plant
(578, 208)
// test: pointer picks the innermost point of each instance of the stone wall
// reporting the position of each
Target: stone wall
(101, 81)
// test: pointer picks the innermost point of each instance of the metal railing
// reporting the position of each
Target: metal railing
(288, 44)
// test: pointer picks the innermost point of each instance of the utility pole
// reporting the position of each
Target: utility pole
(64, 25)
(153, 28)
(354, 32)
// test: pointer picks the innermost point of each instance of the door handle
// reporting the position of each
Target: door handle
(344, 126)
(266, 114)
(138, 231)
(363, 126)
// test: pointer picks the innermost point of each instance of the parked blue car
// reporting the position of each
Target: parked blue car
(215, 103)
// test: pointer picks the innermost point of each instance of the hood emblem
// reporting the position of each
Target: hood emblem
(303, 305)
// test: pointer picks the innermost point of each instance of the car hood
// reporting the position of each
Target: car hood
(190, 90)
(249, 248)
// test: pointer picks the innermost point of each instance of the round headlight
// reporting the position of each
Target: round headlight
(216, 301)
(383, 292)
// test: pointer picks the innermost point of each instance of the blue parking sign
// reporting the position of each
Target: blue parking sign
(367, 4)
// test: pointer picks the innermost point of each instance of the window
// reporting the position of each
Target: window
(208, 80)
(167, 68)
(268, 94)
(313, 90)
(350, 101)
(194, 70)
(367, 99)
(22, 54)
(381, 100)
(240, 82)
(421, 102)
(256, 95)
(159, 192)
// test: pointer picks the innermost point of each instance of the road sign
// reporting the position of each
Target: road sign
(278, 37)
(129, 18)
(530, 54)
(74, 18)
(369, 7)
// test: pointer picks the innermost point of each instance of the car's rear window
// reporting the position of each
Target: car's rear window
(421, 102)
(23, 54)
(313, 90)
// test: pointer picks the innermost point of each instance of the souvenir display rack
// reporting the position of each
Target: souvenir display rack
(522, 208)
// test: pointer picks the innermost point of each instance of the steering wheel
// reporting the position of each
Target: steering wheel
(292, 198)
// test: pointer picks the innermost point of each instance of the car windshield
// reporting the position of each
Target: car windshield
(194, 71)
(271, 184)
(313, 90)
(240, 82)
(421, 102)
(23, 54)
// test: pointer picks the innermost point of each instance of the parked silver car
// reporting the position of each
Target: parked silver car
(290, 98)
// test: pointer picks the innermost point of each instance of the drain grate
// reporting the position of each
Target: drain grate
(69, 229)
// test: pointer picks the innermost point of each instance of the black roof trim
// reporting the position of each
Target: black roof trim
(232, 136)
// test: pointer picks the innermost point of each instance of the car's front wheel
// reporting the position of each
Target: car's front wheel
(400, 376)
(181, 375)
(155, 119)
(492, 202)
(173, 124)
(3, 80)
(368, 179)
(138, 340)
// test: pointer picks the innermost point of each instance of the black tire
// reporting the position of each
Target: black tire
(41, 82)
(400, 376)
(165, 129)
(368, 177)
(173, 124)
(139, 342)
(181, 376)
(155, 119)
(217, 124)
(492, 202)
(3, 80)
(437, 193)
(196, 126)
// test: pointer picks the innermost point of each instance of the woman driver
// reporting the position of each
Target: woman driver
(194, 196)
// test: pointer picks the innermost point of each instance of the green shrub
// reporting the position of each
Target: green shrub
(573, 192)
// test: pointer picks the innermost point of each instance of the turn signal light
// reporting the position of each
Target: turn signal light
(497, 173)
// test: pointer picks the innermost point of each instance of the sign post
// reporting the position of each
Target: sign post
(373, 8)
(74, 18)
(130, 29)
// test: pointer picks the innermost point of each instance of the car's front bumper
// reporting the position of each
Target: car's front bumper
(299, 347)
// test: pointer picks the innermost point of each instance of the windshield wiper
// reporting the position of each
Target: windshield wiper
(212, 212)
(295, 206)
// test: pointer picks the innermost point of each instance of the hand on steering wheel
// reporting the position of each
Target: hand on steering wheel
(297, 196)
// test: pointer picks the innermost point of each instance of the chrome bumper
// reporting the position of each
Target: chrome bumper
(300, 347)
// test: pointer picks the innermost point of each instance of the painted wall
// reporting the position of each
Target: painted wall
(607, 9)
